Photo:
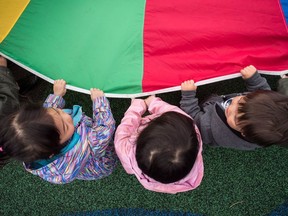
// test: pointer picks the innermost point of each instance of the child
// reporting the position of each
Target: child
(9, 97)
(62, 145)
(241, 121)
(163, 149)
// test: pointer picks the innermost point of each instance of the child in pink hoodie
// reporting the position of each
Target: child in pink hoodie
(163, 149)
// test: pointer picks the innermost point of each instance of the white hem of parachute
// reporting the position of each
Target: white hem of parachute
(166, 90)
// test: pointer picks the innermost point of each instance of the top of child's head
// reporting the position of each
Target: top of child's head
(263, 117)
(168, 147)
(30, 134)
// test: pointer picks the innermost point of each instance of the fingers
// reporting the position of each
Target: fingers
(95, 93)
(96, 90)
(60, 82)
(188, 85)
(59, 87)
(249, 68)
(248, 71)
(188, 82)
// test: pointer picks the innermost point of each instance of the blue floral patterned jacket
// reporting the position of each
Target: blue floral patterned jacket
(89, 155)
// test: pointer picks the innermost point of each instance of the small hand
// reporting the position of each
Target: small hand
(188, 85)
(149, 100)
(95, 93)
(59, 87)
(248, 72)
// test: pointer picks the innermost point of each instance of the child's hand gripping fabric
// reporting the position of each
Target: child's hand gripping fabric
(248, 72)
(253, 79)
(59, 87)
(95, 93)
(56, 100)
(188, 85)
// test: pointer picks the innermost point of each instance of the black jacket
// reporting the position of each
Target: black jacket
(9, 91)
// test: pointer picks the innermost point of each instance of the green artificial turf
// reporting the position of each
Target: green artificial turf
(234, 183)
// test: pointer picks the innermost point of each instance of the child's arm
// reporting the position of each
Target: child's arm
(253, 79)
(56, 100)
(103, 122)
(189, 102)
(125, 135)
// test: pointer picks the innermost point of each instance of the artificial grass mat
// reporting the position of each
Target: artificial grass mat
(234, 183)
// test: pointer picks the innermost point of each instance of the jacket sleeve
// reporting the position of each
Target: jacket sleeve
(202, 117)
(189, 104)
(124, 139)
(9, 91)
(54, 101)
(257, 82)
(103, 125)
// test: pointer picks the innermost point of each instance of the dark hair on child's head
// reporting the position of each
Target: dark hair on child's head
(168, 147)
(7, 106)
(29, 134)
(263, 117)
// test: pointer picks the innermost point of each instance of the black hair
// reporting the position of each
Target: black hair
(168, 147)
(263, 117)
(29, 134)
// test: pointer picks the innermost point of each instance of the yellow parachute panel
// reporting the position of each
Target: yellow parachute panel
(10, 11)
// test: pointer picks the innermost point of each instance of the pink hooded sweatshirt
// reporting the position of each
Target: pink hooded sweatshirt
(125, 144)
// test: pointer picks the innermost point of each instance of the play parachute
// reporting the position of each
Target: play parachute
(130, 48)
